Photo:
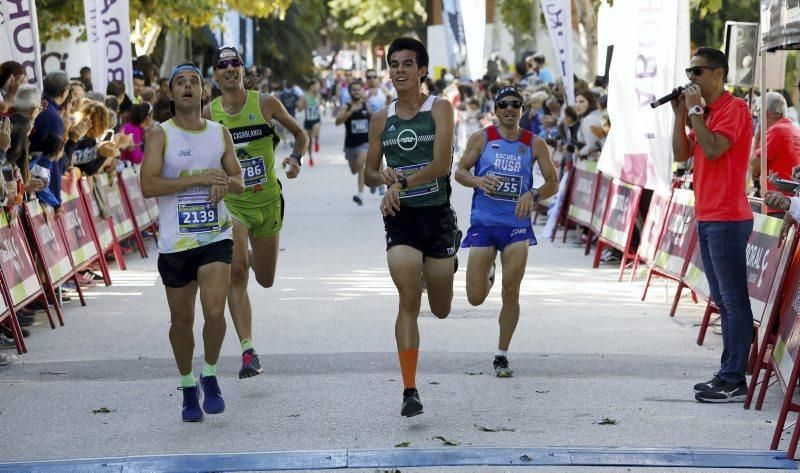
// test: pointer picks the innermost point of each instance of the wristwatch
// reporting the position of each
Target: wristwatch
(696, 110)
(403, 181)
(535, 194)
(298, 157)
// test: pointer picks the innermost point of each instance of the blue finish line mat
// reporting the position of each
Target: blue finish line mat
(423, 457)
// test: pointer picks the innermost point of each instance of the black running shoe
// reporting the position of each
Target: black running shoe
(501, 367)
(250, 365)
(358, 200)
(411, 403)
(724, 392)
(708, 385)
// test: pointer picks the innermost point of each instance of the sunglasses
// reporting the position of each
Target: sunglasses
(515, 104)
(226, 63)
(372, 77)
(698, 70)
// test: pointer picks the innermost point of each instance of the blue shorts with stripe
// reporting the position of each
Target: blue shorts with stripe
(497, 236)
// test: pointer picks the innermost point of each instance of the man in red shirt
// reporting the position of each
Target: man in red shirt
(719, 144)
(783, 145)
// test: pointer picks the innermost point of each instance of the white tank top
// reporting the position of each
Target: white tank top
(187, 220)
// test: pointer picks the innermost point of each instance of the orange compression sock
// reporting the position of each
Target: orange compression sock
(408, 366)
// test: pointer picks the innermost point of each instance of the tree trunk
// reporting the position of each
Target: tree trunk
(175, 51)
(588, 18)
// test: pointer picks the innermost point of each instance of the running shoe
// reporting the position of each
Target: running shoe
(501, 367)
(411, 403)
(372, 190)
(708, 385)
(250, 365)
(6, 359)
(311, 161)
(213, 402)
(724, 392)
(6, 342)
(191, 404)
(316, 147)
(358, 200)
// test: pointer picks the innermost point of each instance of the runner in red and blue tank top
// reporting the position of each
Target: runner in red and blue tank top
(503, 157)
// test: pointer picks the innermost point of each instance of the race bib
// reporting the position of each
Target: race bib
(429, 187)
(359, 126)
(253, 171)
(197, 218)
(509, 189)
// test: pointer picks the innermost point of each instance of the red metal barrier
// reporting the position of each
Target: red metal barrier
(582, 195)
(17, 268)
(102, 228)
(675, 243)
(651, 231)
(137, 207)
(618, 222)
(47, 241)
(7, 313)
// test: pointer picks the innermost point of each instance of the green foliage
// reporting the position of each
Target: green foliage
(56, 16)
(709, 16)
(378, 21)
(517, 17)
(286, 43)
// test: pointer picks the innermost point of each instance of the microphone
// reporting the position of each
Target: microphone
(670, 96)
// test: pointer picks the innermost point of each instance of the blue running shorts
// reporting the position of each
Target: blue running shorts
(498, 237)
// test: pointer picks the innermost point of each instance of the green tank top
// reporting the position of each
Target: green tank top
(255, 141)
(408, 147)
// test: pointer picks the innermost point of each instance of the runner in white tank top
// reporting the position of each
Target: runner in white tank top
(190, 164)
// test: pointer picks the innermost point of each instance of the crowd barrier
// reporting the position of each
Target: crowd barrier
(669, 247)
(39, 251)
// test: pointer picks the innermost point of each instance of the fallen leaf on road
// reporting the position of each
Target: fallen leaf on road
(542, 392)
(103, 410)
(433, 382)
(497, 429)
(451, 443)
(403, 445)
(293, 415)
(473, 373)
(607, 421)
(526, 458)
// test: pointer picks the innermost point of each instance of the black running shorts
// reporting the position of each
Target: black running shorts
(179, 269)
(431, 230)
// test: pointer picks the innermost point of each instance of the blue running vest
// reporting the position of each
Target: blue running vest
(512, 162)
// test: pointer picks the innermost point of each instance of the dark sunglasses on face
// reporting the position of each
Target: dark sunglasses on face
(231, 62)
(372, 77)
(698, 70)
(515, 104)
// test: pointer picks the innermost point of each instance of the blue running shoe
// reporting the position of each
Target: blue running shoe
(191, 405)
(213, 402)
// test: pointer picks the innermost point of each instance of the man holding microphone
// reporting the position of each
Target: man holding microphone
(719, 144)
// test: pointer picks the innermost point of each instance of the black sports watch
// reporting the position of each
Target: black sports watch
(403, 181)
(298, 157)
(535, 194)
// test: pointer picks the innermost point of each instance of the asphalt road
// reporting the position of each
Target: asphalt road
(586, 349)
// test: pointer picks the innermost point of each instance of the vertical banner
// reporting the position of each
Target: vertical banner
(454, 35)
(249, 44)
(558, 16)
(108, 27)
(68, 54)
(643, 68)
(229, 32)
(19, 31)
(473, 14)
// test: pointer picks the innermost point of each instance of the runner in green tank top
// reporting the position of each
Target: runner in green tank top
(415, 133)
(311, 103)
(258, 213)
